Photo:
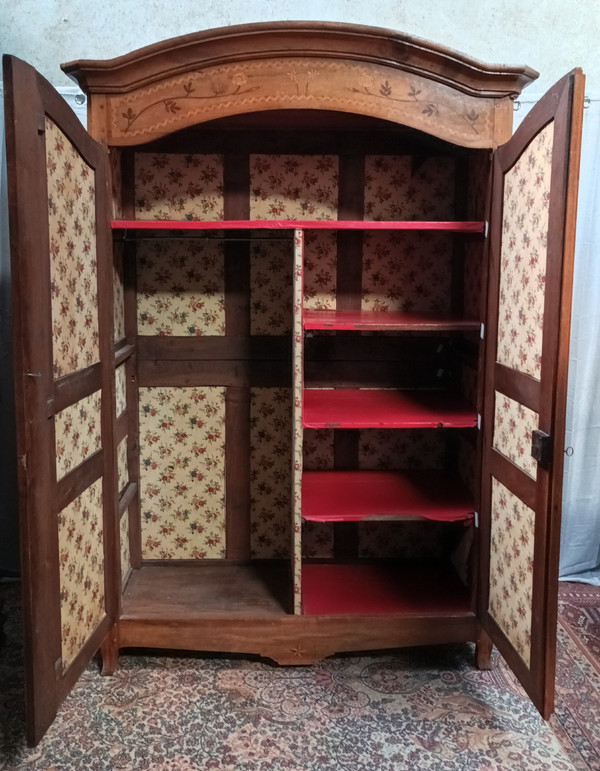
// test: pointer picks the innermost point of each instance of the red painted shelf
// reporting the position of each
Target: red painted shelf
(374, 408)
(455, 227)
(386, 321)
(350, 496)
(407, 588)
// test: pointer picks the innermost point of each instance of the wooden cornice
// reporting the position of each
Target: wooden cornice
(293, 39)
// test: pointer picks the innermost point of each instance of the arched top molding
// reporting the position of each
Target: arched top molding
(298, 65)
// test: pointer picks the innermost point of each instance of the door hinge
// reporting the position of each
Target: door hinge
(541, 447)
(476, 518)
(482, 331)
(486, 229)
(479, 421)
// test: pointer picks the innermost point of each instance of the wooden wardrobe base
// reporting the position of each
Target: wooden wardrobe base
(244, 609)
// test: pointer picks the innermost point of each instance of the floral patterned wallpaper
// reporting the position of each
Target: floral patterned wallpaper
(77, 431)
(81, 561)
(118, 295)
(178, 187)
(513, 429)
(402, 540)
(182, 472)
(523, 257)
(406, 271)
(297, 434)
(181, 288)
(271, 265)
(72, 237)
(511, 567)
(398, 187)
(317, 455)
(381, 449)
(270, 472)
(319, 270)
(293, 187)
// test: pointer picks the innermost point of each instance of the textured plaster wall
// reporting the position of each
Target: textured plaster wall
(552, 36)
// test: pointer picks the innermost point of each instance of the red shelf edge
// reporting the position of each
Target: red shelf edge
(458, 226)
(384, 321)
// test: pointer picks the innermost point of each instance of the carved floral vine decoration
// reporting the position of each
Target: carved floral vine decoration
(430, 108)
(235, 87)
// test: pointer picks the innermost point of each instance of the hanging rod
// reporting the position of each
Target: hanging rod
(218, 238)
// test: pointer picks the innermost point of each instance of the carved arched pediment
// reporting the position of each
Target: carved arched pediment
(299, 65)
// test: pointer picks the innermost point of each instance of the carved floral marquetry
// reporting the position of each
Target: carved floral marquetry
(300, 83)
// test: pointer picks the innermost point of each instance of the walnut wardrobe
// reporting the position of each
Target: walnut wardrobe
(291, 328)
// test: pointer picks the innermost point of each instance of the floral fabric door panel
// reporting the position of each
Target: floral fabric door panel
(63, 324)
(531, 240)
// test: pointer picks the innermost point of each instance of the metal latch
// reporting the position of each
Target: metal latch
(541, 447)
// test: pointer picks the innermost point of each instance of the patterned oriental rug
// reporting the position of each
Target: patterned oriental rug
(417, 709)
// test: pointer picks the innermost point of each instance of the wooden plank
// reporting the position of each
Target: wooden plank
(72, 388)
(183, 225)
(374, 408)
(214, 373)
(234, 348)
(349, 496)
(387, 321)
(79, 479)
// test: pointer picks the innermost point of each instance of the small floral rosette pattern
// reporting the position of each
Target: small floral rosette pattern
(317, 455)
(181, 289)
(178, 187)
(511, 567)
(118, 295)
(72, 237)
(523, 257)
(81, 561)
(271, 265)
(381, 450)
(397, 188)
(270, 462)
(514, 425)
(182, 472)
(406, 271)
(319, 270)
(77, 431)
(293, 187)
(295, 462)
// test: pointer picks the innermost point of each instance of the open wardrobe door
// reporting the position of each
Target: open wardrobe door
(532, 233)
(62, 318)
